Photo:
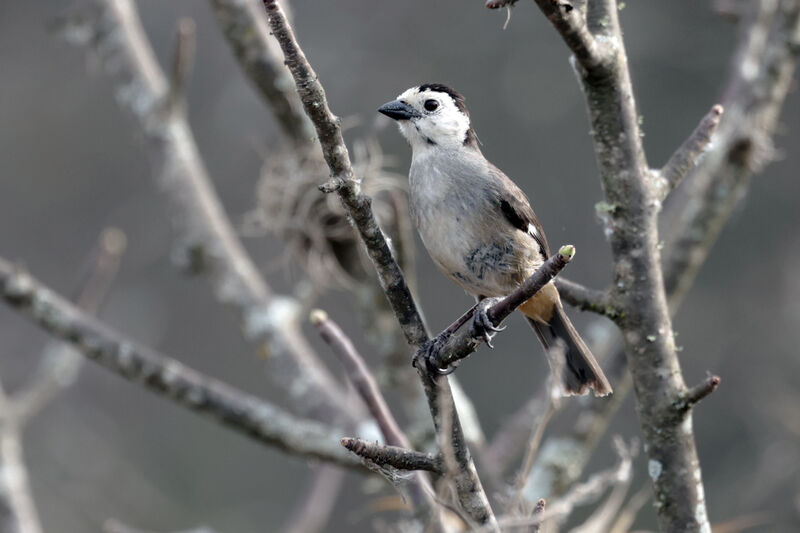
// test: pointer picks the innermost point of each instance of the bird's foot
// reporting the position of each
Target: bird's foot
(429, 352)
(482, 325)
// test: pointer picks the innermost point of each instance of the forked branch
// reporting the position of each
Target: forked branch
(394, 456)
(165, 376)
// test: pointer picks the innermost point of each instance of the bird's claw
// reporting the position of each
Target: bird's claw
(482, 325)
(430, 351)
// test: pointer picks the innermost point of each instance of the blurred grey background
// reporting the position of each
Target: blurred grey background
(70, 164)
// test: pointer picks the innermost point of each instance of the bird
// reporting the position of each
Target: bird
(480, 230)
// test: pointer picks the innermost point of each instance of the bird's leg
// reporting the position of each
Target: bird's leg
(482, 325)
(429, 352)
(431, 349)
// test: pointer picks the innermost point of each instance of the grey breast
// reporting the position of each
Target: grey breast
(455, 207)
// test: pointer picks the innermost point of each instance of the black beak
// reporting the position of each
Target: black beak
(398, 110)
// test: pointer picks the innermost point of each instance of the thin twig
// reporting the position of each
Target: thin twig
(601, 518)
(586, 299)
(580, 494)
(697, 393)
(360, 376)
(115, 526)
(419, 490)
(449, 348)
(688, 154)
(314, 510)
(58, 368)
(538, 512)
(524, 473)
(17, 508)
(182, 64)
(627, 516)
(497, 4)
(240, 411)
(394, 456)
(59, 365)
(515, 431)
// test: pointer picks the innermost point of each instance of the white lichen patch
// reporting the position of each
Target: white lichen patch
(686, 426)
(701, 517)
(170, 374)
(654, 468)
(749, 68)
(281, 312)
(19, 285)
(125, 356)
(608, 40)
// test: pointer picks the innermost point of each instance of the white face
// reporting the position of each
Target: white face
(438, 120)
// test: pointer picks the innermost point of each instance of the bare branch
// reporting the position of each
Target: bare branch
(712, 192)
(742, 147)
(638, 278)
(601, 518)
(394, 456)
(515, 431)
(245, 27)
(449, 347)
(313, 513)
(587, 299)
(17, 508)
(627, 516)
(571, 24)
(543, 275)
(58, 369)
(207, 238)
(537, 433)
(563, 457)
(115, 526)
(581, 494)
(497, 4)
(471, 495)
(538, 512)
(697, 393)
(182, 64)
(166, 376)
(688, 154)
(247, 31)
(419, 490)
(59, 364)
(360, 376)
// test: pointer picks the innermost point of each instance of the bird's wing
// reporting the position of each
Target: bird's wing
(518, 211)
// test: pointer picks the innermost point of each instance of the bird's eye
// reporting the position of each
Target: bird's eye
(431, 105)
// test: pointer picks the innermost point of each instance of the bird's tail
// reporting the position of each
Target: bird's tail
(579, 369)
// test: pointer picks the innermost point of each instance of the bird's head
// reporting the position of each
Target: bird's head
(432, 115)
